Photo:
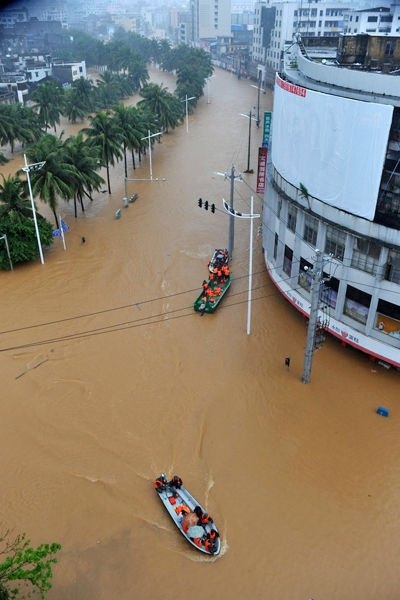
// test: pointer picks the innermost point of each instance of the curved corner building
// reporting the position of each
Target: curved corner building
(334, 185)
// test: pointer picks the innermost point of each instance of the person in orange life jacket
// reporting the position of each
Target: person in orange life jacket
(197, 541)
(212, 534)
(205, 285)
(159, 484)
(205, 519)
(182, 508)
(176, 482)
(209, 545)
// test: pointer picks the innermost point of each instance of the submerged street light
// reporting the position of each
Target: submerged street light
(186, 100)
(27, 168)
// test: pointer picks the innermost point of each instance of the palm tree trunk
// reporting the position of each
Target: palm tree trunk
(75, 209)
(108, 178)
(125, 162)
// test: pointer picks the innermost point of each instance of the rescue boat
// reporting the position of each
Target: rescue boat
(181, 505)
(208, 304)
(219, 258)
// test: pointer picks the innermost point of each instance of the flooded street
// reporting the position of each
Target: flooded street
(109, 377)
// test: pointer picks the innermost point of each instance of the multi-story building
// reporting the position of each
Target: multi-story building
(214, 18)
(334, 185)
(277, 21)
(382, 19)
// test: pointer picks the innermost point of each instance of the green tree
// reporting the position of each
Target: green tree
(49, 103)
(24, 566)
(105, 135)
(14, 197)
(84, 159)
(74, 108)
(158, 100)
(57, 178)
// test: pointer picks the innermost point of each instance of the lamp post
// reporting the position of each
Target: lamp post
(250, 216)
(258, 86)
(186, 100)
(27, 168)
(4, 237)
(249, 117)
(148, 137)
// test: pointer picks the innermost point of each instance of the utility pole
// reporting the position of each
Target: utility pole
(248, 170)
(258, 99)
(232, 176)
(316, 274)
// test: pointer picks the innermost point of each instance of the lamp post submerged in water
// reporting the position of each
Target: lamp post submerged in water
(26, 169)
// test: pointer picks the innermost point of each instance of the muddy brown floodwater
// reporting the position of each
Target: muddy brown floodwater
(108, 377)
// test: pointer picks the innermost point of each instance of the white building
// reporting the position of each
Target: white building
(382, 19)
(277, 21)
(214, 18)
(334, 185)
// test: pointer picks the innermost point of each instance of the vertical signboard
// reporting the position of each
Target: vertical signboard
(267, 129)
(261, 170)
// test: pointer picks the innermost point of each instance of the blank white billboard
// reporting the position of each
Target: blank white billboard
(334, 146)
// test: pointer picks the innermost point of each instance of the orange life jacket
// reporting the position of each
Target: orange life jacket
(182, 508)
(197, 541)
(209, 545)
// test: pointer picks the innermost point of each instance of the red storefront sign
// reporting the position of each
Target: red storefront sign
(261, 170)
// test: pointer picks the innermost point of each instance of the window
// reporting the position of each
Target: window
(365, 255)
(292, 217)
(305, 277)
(387, 318)
(389, 48)
(310, 230)
(276, 240)
(329, 290)
(393, 267)
(335, 242)
(372, 19)
(287, 261)
(356, 305)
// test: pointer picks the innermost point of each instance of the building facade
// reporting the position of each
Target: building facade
(334, 185)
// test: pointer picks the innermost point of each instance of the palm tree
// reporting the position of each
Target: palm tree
(49, 103)
(105, 135)
(74, 108)
(158, 100)
(84, 89)
(58, 177)
(84, 158)
(14, 197)
(138, 73)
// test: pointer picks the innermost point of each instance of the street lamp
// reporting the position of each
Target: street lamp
(258, 98)
(27, 168)
(4, 237)
(250, 216)
(148, 137)
(250, 118)
(186, 100)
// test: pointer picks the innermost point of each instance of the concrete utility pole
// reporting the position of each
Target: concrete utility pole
(232, 177)
(316, 274)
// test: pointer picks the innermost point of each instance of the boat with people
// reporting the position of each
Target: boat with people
(219, 258)
(211, 295)
(196, 526)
